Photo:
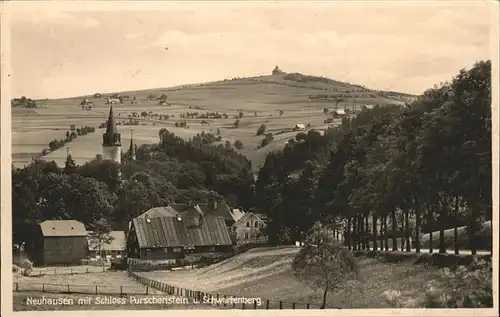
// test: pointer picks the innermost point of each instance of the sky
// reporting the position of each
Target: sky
(83, 48)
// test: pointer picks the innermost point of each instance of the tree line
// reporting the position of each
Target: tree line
(390, 172)
(172, 170)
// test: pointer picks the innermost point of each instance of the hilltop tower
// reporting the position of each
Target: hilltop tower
(111, 140)
(131, 150)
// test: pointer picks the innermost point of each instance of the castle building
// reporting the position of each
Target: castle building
(111, 140)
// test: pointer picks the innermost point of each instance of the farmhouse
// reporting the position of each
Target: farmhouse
(114, 249)
(339, 113)
(60, 242)
(299, 127)
(163, 238)
(249, 228)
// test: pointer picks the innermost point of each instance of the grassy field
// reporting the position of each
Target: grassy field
(259, 98)
(266, 273)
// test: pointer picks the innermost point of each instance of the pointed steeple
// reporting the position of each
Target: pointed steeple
(111, 137)
(131, 150)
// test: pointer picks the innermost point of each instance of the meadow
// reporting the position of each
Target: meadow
(275, 101)
(267, 273)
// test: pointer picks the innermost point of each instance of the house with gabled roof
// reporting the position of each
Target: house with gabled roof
(250, 228)
(60, 242)
(163, 235)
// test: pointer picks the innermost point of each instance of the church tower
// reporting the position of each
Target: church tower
(111, 140)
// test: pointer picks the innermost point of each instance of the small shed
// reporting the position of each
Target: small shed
(60, 242)
(114, 249)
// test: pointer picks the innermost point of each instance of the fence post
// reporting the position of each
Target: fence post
(121, 290)
(55, 272)
(87, 270)
(224, 300)
(242, 305)
(254, 304)
(217, 299)
(17, 286)
(307, 306)
(68, 288)
(281, 305)
(147, 290)
(267, 304)
(293, 305)
(43, 287)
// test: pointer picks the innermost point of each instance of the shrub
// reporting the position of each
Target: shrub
(27, 267)
(238, 144)
(262, 129)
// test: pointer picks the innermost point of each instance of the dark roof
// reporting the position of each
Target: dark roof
(63, 228)
(111, 129)
(164, 232)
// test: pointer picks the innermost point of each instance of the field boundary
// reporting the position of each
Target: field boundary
(200, 296)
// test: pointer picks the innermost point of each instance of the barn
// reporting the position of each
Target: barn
(60, 242)
(171, 237)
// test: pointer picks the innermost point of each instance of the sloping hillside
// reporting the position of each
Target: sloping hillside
(267, 273)
(300, 98)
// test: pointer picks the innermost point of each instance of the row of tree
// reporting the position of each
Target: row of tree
(390, 172)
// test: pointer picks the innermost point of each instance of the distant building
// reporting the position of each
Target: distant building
(249, 228)
(339, 113)
(60, 242)
(299, 127)
(114, 249)
(277, 71)
(97, 95)
(368, 107)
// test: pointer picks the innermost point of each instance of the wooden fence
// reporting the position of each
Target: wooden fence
(83, 289)
(68, 271)
(220, 300)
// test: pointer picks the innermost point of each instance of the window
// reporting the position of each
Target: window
(165, 250)
(256, 224)
(177, 250)
(246, 235)
(248, 223)
(212, 249)
(148, 251)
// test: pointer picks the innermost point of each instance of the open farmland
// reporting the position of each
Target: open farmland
(267, 273)
(259, 98)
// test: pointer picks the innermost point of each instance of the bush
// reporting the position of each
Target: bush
(27, 267)
(238, 144)
(262, 129)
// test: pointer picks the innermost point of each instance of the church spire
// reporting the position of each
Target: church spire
(111, 140)
(132, 145)
(111, 137)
